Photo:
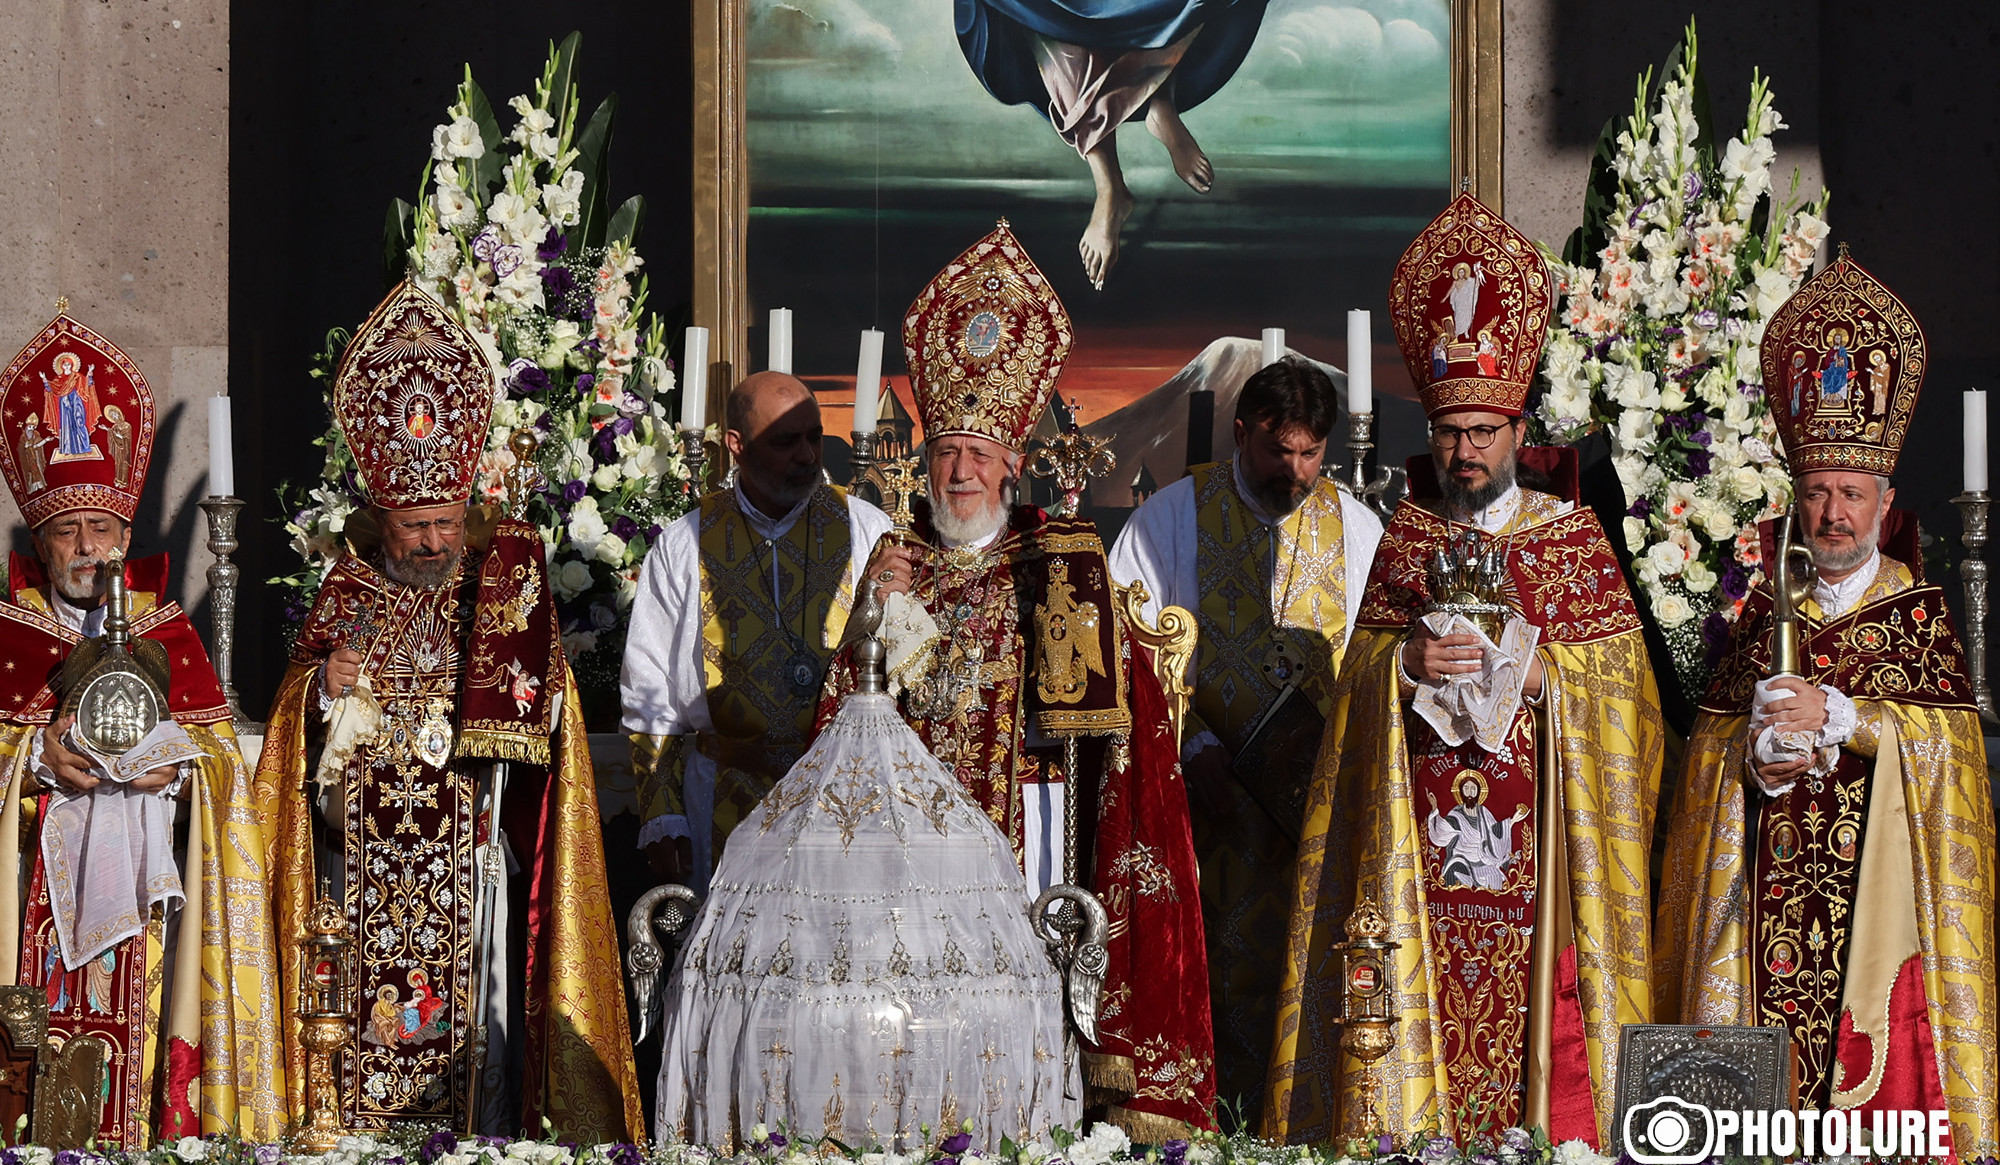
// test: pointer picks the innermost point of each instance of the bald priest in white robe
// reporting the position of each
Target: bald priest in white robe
(1272, 559)
(741, 603)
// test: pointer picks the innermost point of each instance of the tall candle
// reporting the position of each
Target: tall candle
(781, 340)
(1274, 345)
(1360, 364)
(694, 378)
(868, 382)
(221, 461)
(1975, 440)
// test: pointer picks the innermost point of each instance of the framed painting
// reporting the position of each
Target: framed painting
(1186, 172)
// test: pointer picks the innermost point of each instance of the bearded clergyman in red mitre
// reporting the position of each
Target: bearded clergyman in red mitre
(186, 1017)
(456, 812)
(1491, 761)
(1829, 867)
(1006, 642)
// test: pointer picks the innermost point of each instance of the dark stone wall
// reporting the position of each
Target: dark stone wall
(331, 109)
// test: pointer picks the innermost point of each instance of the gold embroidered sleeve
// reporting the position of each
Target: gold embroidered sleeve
(661, 763)
(1867, 728)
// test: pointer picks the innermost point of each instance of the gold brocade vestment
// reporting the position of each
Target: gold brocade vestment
(405, 849)
(1246, 658)
(1371, 831)
(1856, 908)
(194, 1051)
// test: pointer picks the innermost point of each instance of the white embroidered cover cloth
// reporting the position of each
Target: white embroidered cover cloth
(109, 852)
(864, 963)
(1478, 705)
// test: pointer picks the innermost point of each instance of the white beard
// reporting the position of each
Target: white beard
(957, 531)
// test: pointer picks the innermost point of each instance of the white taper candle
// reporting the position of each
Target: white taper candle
(1360, 363)
(221, 459)
(781, 340)
(868, 382)
(1274, 345)
(694, 379)
(1975, 440)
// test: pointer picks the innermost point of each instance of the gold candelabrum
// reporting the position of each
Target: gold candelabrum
(326, 1018)
(1367, 1005)
(1072, 459)
(1468, 577)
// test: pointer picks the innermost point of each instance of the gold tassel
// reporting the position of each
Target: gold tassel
(483, 744)
(1149, 1128)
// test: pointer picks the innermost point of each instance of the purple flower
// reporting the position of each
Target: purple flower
(508, 260)
(553, 245)
(956, 1143)
(1698, 461)
(1385, 1145)
(585, 383)
(1735, 580)
(1702, 437)
(622, 425)
(441, 1143)
(268, 1153)
(1437, 1151)
(1693, 185)
(557, 283)
(624, 527)
(574, 491)
(71, 1157)
(1174, 1152)
(606, 444)
(1715, 637)
(528, 381)
(1517, 1138)
(774, 1144)
(625, 1154)
(1706, 319)
(1483, 1159)
(485, 243)
(1643, 508)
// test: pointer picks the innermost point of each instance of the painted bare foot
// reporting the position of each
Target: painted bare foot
(1164, 121)
(1099, 245)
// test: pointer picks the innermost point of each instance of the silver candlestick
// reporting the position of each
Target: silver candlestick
(1365, 479)
(860, 463)
(223, 576)
(695, 453)
(1972, 507)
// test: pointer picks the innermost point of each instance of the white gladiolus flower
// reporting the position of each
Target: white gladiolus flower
(643, 463)
(1673, 396)
(506, 209)
(456, 209)
(1638, 432)
(1770, 291)
(1736, 412)
(534, 120)
(586, 526)
(1671, 610)
(1751, 160)
(563, 200)
(462, 140)
(1631, 387)
(522, 288)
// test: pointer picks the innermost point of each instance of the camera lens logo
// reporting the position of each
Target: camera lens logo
(1669, 1131)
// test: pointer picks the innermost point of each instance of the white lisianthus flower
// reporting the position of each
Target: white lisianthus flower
(586, 526)
(1745, 483)
(606, 478)
(611, 549)
(1717, 517)
(1671, 609)
(1758, 450)
(564, 336)
(462, 140)
(191, 1148)
(1635, 534)
(1698, 578)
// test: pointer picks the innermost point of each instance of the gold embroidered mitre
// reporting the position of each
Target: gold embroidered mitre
(1843, 362)
(414, 398)
(986, 340)
(76, 424)
(1470, 303)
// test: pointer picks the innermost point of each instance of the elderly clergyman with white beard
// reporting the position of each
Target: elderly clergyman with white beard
(741, 602)
(1007, 641)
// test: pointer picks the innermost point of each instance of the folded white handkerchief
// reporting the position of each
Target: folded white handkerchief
(1479, 705)
(109, 852)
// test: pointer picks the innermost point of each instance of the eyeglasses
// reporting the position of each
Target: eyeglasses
(445, 526)
(1481, 436)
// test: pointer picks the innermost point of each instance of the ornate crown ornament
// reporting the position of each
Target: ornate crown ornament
(986, 340)
(1843, 363)
(413, 398)
(1470, 303)
(77, 421)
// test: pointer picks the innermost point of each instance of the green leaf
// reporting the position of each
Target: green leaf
(565, 76)
(486, 170)
(1600, 195)
(625, 224)
(397, 238)
(593, 149)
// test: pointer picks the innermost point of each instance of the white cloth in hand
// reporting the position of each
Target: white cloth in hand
(907, 632)
(1771, 747)
(1478, 705)
(353, 720)
(108, 852)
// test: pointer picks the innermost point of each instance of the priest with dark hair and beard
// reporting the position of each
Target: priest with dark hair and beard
(1010, 659)
(1522, 952)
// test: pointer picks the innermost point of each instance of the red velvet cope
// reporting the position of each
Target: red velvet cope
(1572, 1107)
(1910, 1077)
(183, 1071)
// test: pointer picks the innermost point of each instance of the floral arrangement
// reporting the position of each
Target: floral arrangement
(1664, 293)
(514, 236)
